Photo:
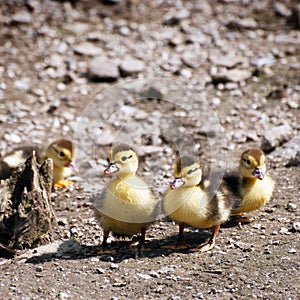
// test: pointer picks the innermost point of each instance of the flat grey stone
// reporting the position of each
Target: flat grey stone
(102, 69)
(131, 66)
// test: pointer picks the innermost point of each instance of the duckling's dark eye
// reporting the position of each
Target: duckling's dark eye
(61, 154)
(123, 158)
(248, 162)
(190, 172)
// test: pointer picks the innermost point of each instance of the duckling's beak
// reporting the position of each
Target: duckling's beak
(112, 168)
(72, 166)
(178, 182)
(258, 173)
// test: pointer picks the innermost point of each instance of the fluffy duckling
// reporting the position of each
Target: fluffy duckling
(60, 151)
(194, 202)
(252, 187)
(127, 205)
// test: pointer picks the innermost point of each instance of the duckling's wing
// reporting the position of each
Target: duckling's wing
(231, 183)
(221, 201)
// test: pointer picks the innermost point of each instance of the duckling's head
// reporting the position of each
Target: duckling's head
(123, 160)
(252, 164)
(61, 152)
(187, 172)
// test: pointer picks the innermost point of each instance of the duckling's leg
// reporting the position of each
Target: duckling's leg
(211, 243)
(103, 247)
(181, 243)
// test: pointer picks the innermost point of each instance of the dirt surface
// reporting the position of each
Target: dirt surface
(226, 73)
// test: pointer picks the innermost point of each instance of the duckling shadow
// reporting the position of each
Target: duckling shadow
(73, 250)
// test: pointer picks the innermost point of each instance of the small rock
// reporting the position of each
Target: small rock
(114, 266)
(291, 207)
(263, 61)
(77, 28)
(100, 271)
(101, 69)
(88, 49)
(233, 75)
(191, 59)
(276, 136)
(143, 276)
(131, 66)
(63, 296)
(21, 17)
(119, 283)
(292, 251)
(281, 10)
(294, 160)
(173, 18)
(154, 274)
(292, 103)
(22, 85)
(296, 226)
(284, 230)
(247, 23)
(227, 61)
(39, 269)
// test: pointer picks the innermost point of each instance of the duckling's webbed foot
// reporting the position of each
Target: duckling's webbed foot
(210, 244)
(241, 219)
(62, 184)
(181, 242)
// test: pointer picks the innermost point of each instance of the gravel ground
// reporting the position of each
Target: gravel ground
(213, 77)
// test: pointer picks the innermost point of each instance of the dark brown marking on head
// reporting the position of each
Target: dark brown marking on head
(119, 148)
(183, 162)
(255, 153)
(63, 143)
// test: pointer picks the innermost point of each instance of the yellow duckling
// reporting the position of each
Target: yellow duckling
(189, 202)
(60, 151)
(127, 205)
(252, 187)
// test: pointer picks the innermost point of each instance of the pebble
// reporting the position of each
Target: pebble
(291, 207)
(22, 85)
(87, 49)
(39, 269)
(63, 296)
(143, 276)
(281, 10)
(296, 226)
(100, 271)
(131, 66)
(102, 69)
(233, 75)
(227, 61)
(21, 17)
(294, 160)
(246, 23)
(192, 59)
(292, 251)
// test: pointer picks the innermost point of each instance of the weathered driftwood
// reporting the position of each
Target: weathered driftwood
(26, 215)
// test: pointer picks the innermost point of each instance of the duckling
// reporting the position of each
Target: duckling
(60, 151)
(195, 202)
(127, 206)
(252, 187)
